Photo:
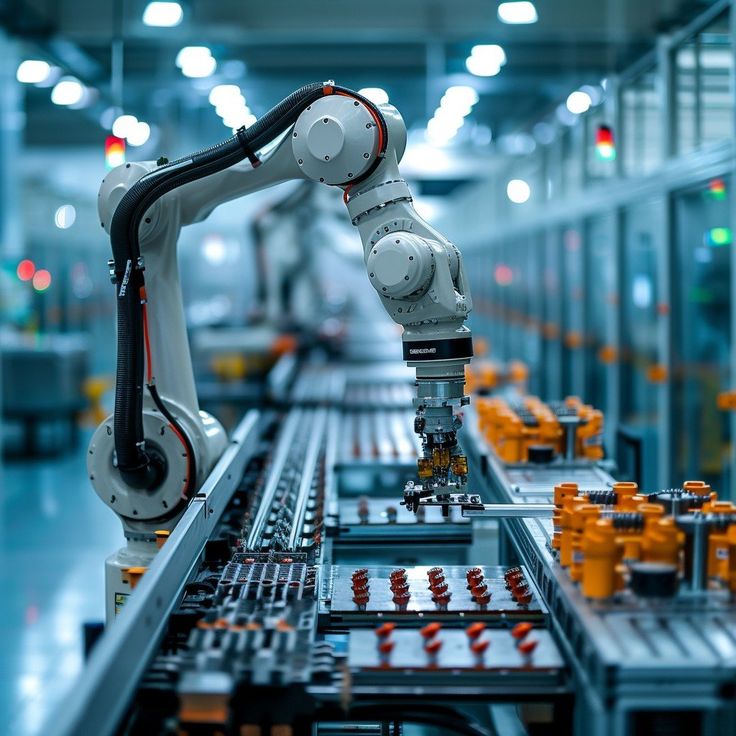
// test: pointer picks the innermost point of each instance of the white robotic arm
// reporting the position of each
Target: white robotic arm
(148, 458)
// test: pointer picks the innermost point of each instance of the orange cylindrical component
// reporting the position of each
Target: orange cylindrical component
(562, 491)
(600, 555)
(661, 542)
(624, 491)
(569, 507)
(582, 516)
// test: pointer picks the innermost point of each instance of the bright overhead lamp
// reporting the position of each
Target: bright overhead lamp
(196, 62)
(222, 93)
(65, 216)
(232, 107)
(441, 130)
(163, 14)
(67, 91)
(139, 134)
(517, 13)
(33, 71)
(518, 191)
(124, 125)
(376, 95)
(459, 99)
(578, 102)
(486, 60)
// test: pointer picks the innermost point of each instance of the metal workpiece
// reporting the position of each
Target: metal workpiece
(447, 593)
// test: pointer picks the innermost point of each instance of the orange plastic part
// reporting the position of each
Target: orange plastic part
(600, 553)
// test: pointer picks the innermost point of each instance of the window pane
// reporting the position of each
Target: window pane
(702, 332)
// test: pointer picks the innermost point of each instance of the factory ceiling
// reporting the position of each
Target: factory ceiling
(412, 48)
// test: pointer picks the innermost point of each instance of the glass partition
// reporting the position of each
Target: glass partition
(601, 301)
(702, 77)
(641, 134)
(643, 230)
(572, 311)
(702, 332)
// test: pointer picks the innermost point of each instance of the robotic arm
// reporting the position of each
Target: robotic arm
(152, 454)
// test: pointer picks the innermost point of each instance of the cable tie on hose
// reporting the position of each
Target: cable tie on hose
(255, 162)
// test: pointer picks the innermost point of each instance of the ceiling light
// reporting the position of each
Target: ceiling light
(517, 13)
(65, 216)
(486, 60)
(67, 91)
(459, 99)
(163, 14)
(578, 102)
(221, 93)
(33, 71)
(196, 62)
(376, 95)
(449, 118)
(139, 134)
(239, 119)
(518, 191)
(124, 125)
(441, 131)
(236, 104)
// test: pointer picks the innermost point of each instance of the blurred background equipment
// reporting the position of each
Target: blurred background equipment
(581, 156)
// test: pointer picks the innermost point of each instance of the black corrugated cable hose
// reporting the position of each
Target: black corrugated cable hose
(133, 461)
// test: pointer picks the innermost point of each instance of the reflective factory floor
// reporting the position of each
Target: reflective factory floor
(54, 536)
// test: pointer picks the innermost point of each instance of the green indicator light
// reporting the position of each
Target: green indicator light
(605, 152)
(718, 236)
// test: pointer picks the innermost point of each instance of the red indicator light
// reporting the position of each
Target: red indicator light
(114, 151)
(26, 269)
(605, 146)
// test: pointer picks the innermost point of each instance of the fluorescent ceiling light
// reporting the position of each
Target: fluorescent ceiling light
(578, 102)
(222, 93)
(139, 134)
(518, 191)
(163, 14)
(517, 13)
(33, 71)
(68, 91)
(196, 62)
(376, 95)
(124, 125)
(65, 216)
(486, 60)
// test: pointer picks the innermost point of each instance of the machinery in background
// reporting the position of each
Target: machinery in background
(43, 379)
(525, 429)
